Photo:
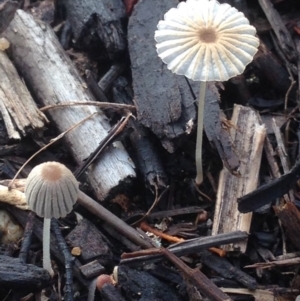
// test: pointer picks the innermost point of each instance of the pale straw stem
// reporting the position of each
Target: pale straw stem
(201, 101)
(46, 247)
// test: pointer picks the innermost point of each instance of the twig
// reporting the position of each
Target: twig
(180, 249)
(197, 278)
(277, 263)
(145, 227)
(27, 238)
(112, 135)
(102, 105)
(112, 220)
(156, 201)
(68, 296)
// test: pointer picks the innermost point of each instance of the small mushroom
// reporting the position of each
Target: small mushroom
(51, 190)
(205, 41)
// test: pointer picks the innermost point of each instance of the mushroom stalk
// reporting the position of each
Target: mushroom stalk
(46, 246)
(201, 101)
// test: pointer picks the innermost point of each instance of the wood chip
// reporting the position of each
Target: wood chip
(248, 137)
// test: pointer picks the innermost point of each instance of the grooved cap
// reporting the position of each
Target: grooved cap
(205, 40)
(51, 190)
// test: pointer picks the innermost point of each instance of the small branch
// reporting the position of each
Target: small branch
(102, 105)
(68, 260)
(112, 220)
(197, 278)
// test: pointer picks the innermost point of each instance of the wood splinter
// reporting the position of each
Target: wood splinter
(248, 137)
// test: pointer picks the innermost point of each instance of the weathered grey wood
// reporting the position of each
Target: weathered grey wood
(164, 101)
(248, 137)
(19, 111)
(53, 79)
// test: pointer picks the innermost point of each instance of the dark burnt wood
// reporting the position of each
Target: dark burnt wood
(268, 193)
(216, 132)
(92, 269)
(88, 238)
(17, 275)
(163, 100)
(98, 17)
(225, 269)
(135, 283)
(110, 293)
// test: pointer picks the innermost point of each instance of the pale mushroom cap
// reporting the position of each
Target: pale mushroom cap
(205, 40)
(51, 190)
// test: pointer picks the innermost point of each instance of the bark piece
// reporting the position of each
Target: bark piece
(290, 217)
(147, 155)
(215, 131)
(100, 15)
(88, 238)
(271, 70)
(248, 137)
(54, 80)
(17, 275)
(92, 269)
(19, 111)
(163, 100)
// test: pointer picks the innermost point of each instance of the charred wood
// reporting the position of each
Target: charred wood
(145, 285)
(88, 238)
(163, 100)
(17, 275)
(99, 17)
(268, 193)
(227, 270)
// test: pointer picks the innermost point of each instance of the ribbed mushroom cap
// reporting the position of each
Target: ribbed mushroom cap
(205, 40)
(51, 190)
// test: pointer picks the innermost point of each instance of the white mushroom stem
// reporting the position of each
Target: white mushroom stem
(46, 247)
(201, 101)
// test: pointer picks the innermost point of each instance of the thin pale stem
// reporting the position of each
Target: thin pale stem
(201, 101)
(46, 246)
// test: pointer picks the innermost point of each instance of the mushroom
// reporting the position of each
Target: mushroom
(51, 190)
(205, 41)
